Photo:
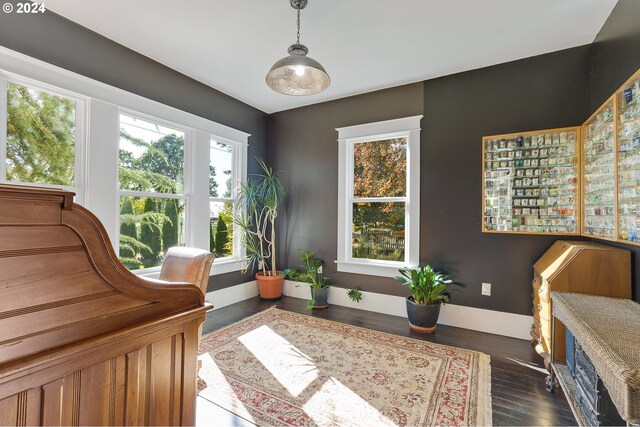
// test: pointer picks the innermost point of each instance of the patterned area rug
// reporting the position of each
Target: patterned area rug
(287, 369)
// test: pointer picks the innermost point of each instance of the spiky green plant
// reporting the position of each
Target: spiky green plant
(258, 201)
(427, 285)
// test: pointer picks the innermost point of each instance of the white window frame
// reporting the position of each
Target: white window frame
(186, 194)
(98, 177)
(80, 132)
(235, 262)
(409, 128)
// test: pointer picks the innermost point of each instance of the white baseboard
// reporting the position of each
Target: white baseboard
(477, 319)
(232, 294)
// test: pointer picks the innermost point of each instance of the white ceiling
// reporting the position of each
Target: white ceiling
(364, 45)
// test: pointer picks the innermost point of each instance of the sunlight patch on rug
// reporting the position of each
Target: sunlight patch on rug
(286, 369)
(335, 397)
(291, 367)
(228, 400)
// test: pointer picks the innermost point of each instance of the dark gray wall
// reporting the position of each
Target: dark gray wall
(616, 56)
(541, 92)
(303, 145)
(536, 93)
(616, 51)
(54, 39)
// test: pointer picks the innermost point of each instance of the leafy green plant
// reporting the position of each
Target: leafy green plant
(354, 294)
(259, 200)
(427, 285)
(310, 271)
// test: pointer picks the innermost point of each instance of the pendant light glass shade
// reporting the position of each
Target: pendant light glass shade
(297, 74)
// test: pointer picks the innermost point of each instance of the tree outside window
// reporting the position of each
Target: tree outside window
(221, 199)
(41, 137)
(379, 190)
(152, 202)
(379, 196)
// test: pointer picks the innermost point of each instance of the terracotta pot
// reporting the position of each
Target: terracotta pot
(422, 317)
(270, 287)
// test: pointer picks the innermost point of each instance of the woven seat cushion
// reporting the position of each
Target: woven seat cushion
(608, 329)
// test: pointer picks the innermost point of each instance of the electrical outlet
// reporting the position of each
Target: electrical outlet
(486, 289)
(320, 270)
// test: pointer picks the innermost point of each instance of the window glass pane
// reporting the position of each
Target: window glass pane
(220, 161)
(149, 226)
(151, 157)
(41, 131)
(380, 168)
(378, 231)
(221, 229)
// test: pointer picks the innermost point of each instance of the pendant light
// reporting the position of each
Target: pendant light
(297, 74)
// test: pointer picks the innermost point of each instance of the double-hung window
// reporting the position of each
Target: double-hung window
(379, 197)
(151, 180)
(223, 181)
(42, 135)
(154, 175)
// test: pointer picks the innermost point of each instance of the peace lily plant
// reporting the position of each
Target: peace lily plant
(428, 291)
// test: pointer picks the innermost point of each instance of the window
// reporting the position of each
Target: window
(222, 191)
(44, 135)
(142, 167)
(379, 197)
(151, 177)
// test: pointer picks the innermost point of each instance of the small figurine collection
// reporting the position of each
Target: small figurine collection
(530, 182)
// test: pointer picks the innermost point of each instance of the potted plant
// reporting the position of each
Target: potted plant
(258, 203)
(311, 273)
(428, 292)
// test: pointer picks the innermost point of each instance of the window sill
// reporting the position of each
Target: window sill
(226, 266)
(151, 272)
(218, 267)
(370, 268)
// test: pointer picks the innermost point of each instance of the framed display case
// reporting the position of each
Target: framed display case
(570, 181)
(599, 173)
(531, 182)
(627, 104)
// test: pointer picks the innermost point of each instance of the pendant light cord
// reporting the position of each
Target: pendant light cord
(298, 39)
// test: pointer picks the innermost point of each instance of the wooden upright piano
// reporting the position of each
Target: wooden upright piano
(83, 341)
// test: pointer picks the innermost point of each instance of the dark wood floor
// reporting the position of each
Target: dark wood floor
(517, 381)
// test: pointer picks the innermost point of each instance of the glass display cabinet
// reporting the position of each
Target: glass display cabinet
(599, 175)
(570, 181)
(531, 182)
(628, 150)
